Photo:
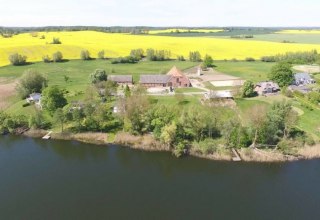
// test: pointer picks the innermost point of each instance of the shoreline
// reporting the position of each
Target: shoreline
(148, 143)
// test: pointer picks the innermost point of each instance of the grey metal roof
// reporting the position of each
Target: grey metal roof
(304, 76)
(120, 78)
(154, 79)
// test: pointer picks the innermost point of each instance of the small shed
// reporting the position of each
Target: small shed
(268, 87)
(121, 79)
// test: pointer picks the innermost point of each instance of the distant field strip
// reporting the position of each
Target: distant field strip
(185, 30)
(299, 32)
(116, 45)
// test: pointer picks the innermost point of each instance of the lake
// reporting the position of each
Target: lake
(71, 180)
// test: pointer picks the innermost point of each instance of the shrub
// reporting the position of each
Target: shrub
(17, 59)
(101, 54)
(181, 58)
(268, 59)
(250, 59)
(98, 75)
(46, 59)
(85, 55)
(25, 105)
(56, 41)
(57, 57)
(158, 55)
(128, 59)
(137, 54)
(179, 150)
(195, 56)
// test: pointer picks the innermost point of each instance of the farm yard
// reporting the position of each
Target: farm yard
(116, 45)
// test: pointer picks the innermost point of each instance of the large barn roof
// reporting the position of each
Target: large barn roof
(120, 78)
(154, 79)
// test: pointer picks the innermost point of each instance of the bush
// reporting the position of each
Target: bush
(207, 146)
(179, 150)
(46, 59)
(127, 59)
(101, 54)
(181, 58)
(137, 54)
(17, 59)
(250, 59)
(57, 57)
(56, 41)
(98, 75)
(268, 59)
(85, 55)
(158, 55)
(195, 56)
(289, 147)
(25, 105)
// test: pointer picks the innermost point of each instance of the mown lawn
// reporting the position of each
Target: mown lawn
(188, 90)
(254, 71)
(78, 72)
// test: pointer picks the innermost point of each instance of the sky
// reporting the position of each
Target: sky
(220, 13)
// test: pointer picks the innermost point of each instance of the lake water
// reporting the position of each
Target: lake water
(70, 180)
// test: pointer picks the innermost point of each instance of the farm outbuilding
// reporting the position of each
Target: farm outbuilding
(121, 79)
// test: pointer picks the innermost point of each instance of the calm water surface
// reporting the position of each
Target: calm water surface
(70, 180)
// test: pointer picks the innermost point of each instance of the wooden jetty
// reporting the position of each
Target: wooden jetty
(236, 157)
(47, 136)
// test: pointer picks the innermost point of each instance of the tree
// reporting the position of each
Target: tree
(168, 134)
(57, 57)
(30, 82)
(46, 59)
(127, 92)
(101, 54)
(248, 89)
(53, 98)
(110, 88)
(59, 117)
(137, 54)
(207, 62)
(98, 75)
(17, 59)
(77, 115)
(85, 55)
(257, 115)
(195, 56)
(282, 74)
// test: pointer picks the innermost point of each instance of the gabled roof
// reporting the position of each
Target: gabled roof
(154, 79)
(120, 78)
(175, 72)
(305, 76)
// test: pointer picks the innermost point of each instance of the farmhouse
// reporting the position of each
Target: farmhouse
(303, 79)
(121, 79)
(174, 78)
(34, 98)
(264, 88)
(178, 78)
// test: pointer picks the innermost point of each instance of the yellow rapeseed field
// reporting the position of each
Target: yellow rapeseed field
(120, 45)
(184, 30)
(299, 32)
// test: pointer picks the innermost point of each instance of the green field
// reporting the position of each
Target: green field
(79, 70)
(254, 71)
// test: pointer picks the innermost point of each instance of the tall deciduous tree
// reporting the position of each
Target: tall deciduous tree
(30, 82)
(53, 98)
(282, 74)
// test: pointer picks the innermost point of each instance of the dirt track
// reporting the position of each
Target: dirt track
(7, 90)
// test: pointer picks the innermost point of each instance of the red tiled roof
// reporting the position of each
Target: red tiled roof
(175, 72)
